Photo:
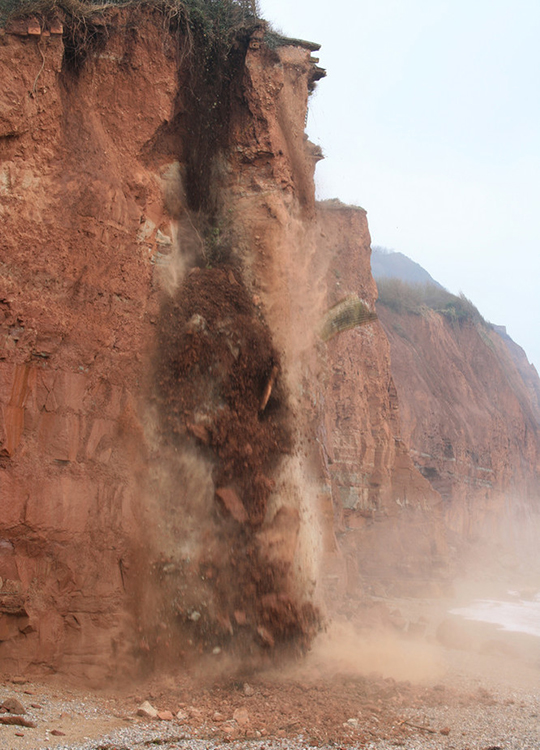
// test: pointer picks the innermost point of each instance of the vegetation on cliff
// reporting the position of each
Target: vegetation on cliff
(211, 17)
(405, 297)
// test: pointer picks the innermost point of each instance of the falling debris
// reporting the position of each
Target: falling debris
(232, 504)
(223, 403)
(348, 313)
(268, 390)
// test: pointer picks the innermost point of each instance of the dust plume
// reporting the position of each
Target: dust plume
(230, 547)
(349, 651)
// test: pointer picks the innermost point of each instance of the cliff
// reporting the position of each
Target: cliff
(153, 491)
(78, 299)
(469, 406)
(388, 518)
(187, 467)
(388, 264)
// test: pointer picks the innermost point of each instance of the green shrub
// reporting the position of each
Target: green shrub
(404, 297)
(350, 312)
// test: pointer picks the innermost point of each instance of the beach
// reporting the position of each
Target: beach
(442, 682)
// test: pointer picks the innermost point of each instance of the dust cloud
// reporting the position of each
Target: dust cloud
(349, 651)
(232, 547)
(235, 544)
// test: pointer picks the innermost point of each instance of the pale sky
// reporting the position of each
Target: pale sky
(430, 119)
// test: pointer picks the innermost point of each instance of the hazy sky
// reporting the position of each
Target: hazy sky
(430, 120)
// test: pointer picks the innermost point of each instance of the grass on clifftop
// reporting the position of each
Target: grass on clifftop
(404, 297)
(213, 15)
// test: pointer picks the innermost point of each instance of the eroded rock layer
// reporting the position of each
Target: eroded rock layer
(78, 303)
(469, 402)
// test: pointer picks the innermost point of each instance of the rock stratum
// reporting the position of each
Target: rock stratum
(470, 415)
(187, 469)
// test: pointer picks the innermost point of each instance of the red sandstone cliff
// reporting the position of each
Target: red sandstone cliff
(117, 178)
(84, 227)
(388, 518)
(469, 405)
(172, 425)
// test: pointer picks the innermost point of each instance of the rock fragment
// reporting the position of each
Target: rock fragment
(241, 716)
(268, 390)
(56, 27)
(18, 27)
(266, 636)
(34, 27)
(230, 501)
(147, 710)
(240, 617)
(199, 431)
(17, 720)
(13, 706)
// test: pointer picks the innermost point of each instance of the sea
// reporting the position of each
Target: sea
(513, 614)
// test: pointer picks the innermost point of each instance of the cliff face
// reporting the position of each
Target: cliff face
(83, 227)
(469, 404)
(180, 450)
(388, 520)
(157, 334)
